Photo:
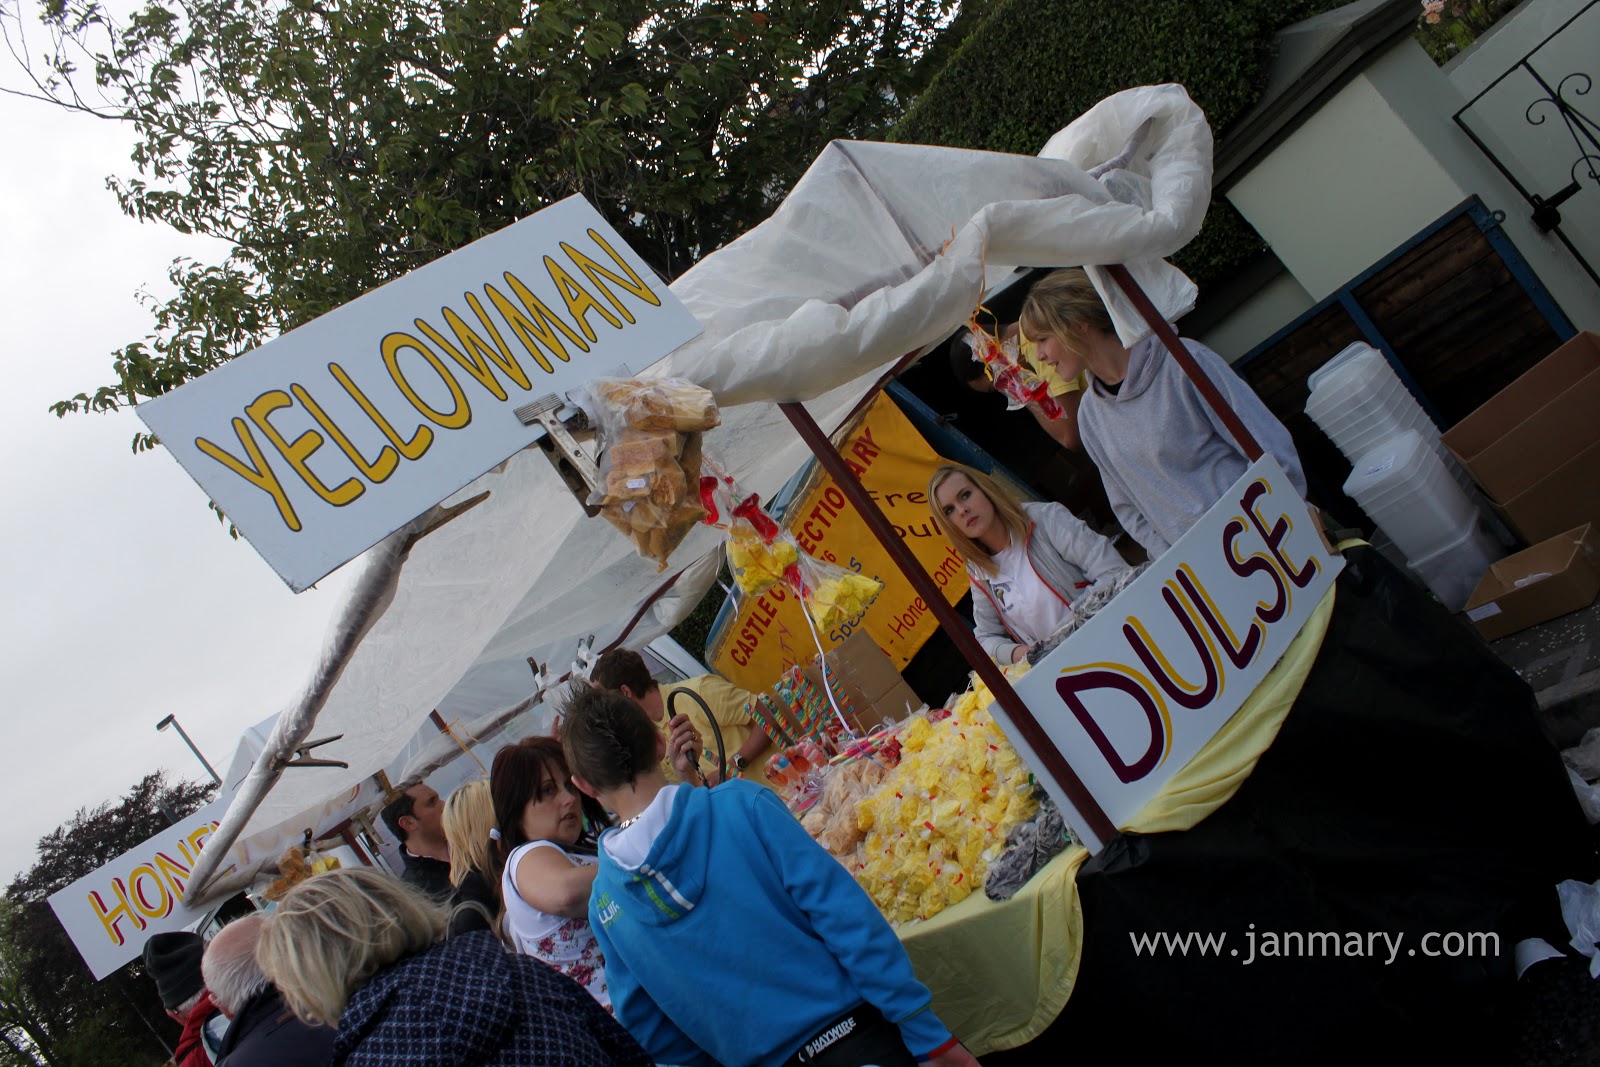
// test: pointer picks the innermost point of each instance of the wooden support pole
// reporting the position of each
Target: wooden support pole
(1180, 352)
(1055, 763)
(354, 842)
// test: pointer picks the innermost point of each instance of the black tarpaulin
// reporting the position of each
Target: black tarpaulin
(1409, 802)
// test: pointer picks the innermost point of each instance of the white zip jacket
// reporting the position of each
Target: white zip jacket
(1067, 557)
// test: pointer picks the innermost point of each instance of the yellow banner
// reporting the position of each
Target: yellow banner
(769, 632)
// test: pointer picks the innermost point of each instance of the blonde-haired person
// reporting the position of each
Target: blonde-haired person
(360, 950)
(469, 828)
(1164, 456)
(1028, 561)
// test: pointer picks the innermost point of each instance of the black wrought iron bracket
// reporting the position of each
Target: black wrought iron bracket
(1560, 101)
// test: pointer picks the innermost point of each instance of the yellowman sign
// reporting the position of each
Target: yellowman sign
(323, 441)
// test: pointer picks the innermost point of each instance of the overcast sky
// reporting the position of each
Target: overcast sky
(124, 599)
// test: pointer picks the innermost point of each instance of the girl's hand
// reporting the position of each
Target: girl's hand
(1019, 654)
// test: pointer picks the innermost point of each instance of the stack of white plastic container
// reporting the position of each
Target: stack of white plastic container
(1360, 403)
(1404, 478)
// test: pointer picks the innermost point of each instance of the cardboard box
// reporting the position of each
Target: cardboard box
(1568, 497)
(1535, 425)
(1538, 584)
(869, 679)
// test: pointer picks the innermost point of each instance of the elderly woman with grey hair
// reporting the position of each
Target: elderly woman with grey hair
(360, 950)
(262, 1032)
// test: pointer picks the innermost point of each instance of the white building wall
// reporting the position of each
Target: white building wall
(1274, 305)
(1383, 158)
(1344, 189)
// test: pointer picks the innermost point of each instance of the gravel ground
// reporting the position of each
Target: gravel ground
(1556, 1020)
(1557, 1003)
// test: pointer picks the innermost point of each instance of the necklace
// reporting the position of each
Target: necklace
(625, 823)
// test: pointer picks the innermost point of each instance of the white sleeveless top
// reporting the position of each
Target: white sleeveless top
(566, 944)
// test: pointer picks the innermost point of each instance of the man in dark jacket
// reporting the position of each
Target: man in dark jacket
(263, 1031)
(416, 817)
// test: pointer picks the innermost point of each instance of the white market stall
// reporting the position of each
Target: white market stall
(1348, 814)
(879, 251)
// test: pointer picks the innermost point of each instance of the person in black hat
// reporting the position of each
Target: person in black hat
(173, 960)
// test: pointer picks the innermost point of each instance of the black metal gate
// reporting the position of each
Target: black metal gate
(1551, 118)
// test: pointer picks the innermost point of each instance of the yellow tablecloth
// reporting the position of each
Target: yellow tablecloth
(1001, 971)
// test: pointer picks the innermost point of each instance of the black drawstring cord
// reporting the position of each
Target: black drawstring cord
(694, 759)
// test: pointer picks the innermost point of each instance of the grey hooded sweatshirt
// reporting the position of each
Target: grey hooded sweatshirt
(1163, 454)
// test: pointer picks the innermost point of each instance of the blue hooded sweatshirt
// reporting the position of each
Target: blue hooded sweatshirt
(739, 937)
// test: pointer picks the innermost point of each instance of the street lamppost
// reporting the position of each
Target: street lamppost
(172, 721)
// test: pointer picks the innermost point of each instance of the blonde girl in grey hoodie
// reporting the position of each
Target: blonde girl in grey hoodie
(1163, 454)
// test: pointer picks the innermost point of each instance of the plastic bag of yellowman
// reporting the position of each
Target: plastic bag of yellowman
(833, 595)
(756, 565)
(294, 868)
(650, 468)
(927, 834)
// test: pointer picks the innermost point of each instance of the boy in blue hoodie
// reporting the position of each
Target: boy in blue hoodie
(730, 936)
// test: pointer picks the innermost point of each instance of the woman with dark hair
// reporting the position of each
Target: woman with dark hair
(545, 860)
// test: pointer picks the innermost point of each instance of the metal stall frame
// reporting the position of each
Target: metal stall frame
(1054, 760)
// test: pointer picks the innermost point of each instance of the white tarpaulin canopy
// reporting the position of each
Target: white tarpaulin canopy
(878, 251)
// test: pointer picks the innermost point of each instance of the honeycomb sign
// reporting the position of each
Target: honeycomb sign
(111, 913)
(768, 633)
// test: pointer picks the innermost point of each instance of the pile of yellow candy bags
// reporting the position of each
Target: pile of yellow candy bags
(943, 814)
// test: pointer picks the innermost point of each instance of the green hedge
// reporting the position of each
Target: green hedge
(1034, 65)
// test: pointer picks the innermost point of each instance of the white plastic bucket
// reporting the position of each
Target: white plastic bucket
(1410, 494)
(1454, 570)
(1360, 403)
(1344, 356)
